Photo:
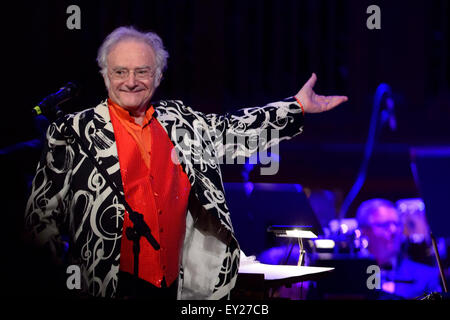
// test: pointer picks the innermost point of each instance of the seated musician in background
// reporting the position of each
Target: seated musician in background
(380, 224)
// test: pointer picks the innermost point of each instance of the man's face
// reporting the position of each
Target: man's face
(134, 92)
(384, 234)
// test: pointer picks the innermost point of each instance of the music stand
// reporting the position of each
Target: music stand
(266, 204)
(297, 232)
(431, 170)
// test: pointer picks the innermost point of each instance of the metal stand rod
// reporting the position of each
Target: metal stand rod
(441, 271)
(301, 252)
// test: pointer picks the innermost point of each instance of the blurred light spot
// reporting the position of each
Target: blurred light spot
(324, 243)
(364, 243)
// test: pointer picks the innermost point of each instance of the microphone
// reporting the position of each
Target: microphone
(391, 113)
(382, 113)
(384, 94)
(49, 105)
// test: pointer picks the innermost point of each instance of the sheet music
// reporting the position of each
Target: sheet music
(276, 272)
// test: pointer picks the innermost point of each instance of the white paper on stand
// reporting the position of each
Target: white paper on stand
(276, 272)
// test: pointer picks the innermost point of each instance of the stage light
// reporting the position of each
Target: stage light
(324, 243)
(299, 232)
(302, 232)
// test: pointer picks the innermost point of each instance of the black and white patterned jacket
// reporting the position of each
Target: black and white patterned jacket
(70, 197)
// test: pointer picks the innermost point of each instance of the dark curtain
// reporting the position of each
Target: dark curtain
(230, 54)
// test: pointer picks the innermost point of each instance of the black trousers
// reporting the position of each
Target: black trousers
(131, 287)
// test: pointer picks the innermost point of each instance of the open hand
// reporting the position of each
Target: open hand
(314, 103)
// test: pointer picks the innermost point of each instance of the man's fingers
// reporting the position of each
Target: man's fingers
(311, 81)
(313, 102)
(340, 99)
(329, 102)
(334, 101)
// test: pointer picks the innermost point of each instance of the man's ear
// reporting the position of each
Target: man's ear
(158, 80)
(106, 81)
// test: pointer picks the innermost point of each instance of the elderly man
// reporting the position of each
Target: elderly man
(380, 224)
(125, 156)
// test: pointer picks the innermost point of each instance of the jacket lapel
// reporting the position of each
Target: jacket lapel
(170, 124)
(103, 145)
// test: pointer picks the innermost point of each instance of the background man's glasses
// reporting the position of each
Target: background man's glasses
(139, 73)
(387, 224)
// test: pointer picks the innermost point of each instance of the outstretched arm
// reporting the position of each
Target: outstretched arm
(314, 103)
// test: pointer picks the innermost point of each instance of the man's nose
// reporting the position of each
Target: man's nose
(131, 80)
(393, 228)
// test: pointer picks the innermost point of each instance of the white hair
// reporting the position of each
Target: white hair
(369, 207)
(127, 33)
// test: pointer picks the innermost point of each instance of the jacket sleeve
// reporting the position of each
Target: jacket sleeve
(47, 207)
(248, 130)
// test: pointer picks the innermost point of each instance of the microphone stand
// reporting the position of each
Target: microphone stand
(438, 258)
(140, 227)
(436, 295)
(375, 125)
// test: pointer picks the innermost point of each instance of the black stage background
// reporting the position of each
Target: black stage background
(229, 54)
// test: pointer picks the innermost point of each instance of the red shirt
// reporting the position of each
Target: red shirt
(154, 186)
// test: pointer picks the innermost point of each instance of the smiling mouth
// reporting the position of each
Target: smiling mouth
(134, 91)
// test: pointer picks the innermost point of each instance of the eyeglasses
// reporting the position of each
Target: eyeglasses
(144, 73)
(387, 224)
